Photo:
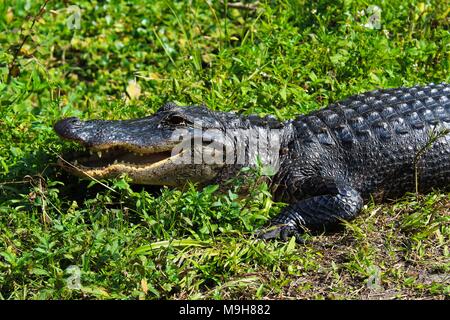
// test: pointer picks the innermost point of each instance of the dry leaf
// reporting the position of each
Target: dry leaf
(144, 285)
(9, 15)
(133, 90)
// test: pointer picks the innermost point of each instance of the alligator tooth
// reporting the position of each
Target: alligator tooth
(115, 161)
(99, 154)
(141, 154)
(91, 152)
(75, 162)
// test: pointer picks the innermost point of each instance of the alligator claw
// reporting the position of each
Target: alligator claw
(281, 231)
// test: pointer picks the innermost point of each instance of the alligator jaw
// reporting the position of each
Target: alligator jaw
(146, 167)
(104, 162)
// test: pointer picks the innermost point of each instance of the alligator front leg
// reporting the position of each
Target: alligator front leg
(316, 213)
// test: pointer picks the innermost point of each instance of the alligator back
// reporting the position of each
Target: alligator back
(383, 142)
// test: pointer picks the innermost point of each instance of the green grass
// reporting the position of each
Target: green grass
(131, 242)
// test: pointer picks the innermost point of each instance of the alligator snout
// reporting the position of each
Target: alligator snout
(66, 128)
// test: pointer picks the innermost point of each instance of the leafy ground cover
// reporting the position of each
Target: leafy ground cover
(62, 238)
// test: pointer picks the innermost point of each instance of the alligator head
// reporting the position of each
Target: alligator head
(175, 145)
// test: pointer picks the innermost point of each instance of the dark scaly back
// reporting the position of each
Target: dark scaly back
(373, 139)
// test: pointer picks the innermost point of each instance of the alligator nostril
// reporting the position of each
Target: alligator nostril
(65, 127)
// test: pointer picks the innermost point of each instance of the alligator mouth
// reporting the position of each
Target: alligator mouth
(155, 165)
(108, 157)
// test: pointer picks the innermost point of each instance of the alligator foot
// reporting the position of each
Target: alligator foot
(282, 231)
(317, 213)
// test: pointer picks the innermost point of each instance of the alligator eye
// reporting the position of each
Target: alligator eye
(177, 120)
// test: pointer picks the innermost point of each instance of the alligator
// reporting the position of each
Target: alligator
(328, 163)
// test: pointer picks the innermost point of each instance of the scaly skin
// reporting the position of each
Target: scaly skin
(382, 144)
